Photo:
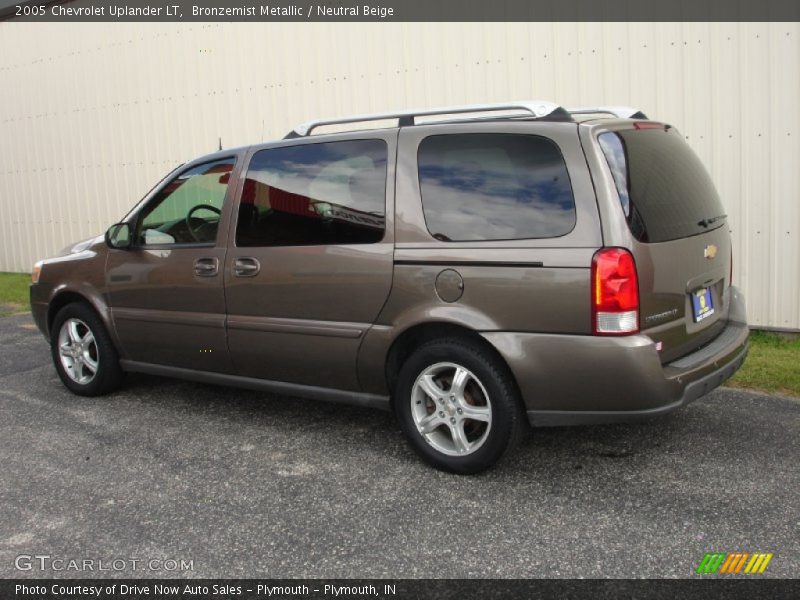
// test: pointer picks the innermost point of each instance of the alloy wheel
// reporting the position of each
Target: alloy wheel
(451, 409)
(78, 352)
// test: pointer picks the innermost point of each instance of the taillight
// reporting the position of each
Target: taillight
(615, 293)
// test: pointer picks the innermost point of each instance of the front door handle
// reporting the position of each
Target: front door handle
(206, 267)
(246, 267)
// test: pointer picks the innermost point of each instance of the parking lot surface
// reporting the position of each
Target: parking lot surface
(247, 484)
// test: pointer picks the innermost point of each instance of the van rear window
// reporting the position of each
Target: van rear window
(665, 191)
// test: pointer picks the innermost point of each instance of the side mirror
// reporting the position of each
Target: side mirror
(119, 236)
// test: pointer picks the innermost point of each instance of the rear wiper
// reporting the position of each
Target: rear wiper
(707, 222)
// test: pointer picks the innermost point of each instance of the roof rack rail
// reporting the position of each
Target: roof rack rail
(538, 108)
(621, 112)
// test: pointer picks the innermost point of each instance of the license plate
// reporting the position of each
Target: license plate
(702, 305)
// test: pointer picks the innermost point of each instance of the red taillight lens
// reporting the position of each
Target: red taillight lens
(648, 125)
(615, 292)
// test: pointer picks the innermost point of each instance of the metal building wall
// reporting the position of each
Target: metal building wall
(91, 116)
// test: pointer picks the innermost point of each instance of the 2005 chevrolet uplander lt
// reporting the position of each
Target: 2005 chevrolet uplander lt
(472, 268)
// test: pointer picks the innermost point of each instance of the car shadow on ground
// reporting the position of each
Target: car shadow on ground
(567, 450)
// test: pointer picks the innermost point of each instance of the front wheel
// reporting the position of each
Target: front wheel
(458, 406)
(83, 353)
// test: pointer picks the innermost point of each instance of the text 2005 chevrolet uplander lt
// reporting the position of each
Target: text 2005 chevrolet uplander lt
(473, 273)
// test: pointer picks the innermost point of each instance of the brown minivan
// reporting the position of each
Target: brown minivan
(474, 269)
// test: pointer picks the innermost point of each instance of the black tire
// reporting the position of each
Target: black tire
(491, 441)
(108, 374)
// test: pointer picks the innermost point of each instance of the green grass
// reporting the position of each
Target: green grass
(773, 365)
(14, 292)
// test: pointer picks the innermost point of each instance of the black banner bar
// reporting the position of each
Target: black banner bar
(394, 589)
(266, 11)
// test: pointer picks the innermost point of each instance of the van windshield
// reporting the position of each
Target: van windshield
(665, 191)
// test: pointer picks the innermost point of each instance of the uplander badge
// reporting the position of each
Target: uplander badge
(660, 316)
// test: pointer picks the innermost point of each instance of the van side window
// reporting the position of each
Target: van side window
(492, 186)
(315, 194)
(188, 208)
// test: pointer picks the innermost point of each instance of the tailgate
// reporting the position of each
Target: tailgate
(681, 242)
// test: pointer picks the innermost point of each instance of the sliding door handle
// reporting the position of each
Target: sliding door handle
(246, 267)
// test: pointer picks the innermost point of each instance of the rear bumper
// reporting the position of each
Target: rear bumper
(575, 380)
(693, 391)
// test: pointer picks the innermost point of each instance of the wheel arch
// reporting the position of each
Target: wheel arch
(65, 296)
(411, 338)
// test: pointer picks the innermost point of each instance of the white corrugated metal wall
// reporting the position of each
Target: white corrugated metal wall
(92, 115)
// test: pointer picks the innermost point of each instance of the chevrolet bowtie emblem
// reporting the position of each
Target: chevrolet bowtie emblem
(710, 251)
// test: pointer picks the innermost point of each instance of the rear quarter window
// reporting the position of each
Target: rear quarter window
(480, 187)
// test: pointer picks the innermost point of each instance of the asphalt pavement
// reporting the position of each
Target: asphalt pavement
(236, 483)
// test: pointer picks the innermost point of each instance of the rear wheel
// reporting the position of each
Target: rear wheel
(458, 405)
(83, 353)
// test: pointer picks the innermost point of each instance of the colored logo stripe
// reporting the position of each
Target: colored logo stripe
(732, 563)
(711, 562)
(758, 563)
